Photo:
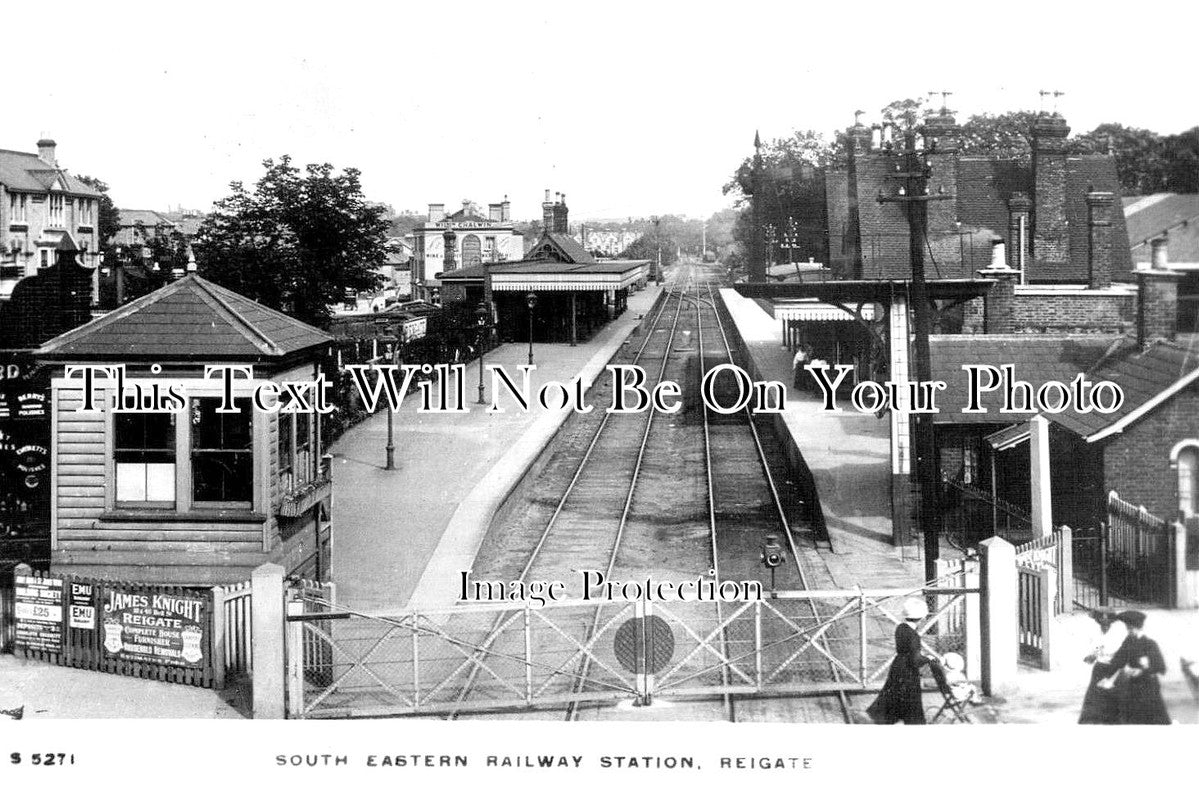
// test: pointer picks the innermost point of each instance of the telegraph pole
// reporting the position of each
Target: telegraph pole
(913, 194)
(757, 267)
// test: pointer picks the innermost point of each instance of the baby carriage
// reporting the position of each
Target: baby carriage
(958, 693)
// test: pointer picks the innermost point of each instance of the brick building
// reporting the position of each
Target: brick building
(1144, 450)
(464, 238)
(39, 202)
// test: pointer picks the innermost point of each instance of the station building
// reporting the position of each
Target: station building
(558, 292)
(190, 496)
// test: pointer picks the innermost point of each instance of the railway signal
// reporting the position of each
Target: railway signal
(773, 556)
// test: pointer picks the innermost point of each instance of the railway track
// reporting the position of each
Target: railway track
(643, 493)
(738, 532)
(606, 478)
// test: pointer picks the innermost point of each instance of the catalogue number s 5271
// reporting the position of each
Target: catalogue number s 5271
(42, 759)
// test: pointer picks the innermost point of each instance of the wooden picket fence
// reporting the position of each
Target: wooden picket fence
(234, 612)
(1036, 590)
(1055, 549)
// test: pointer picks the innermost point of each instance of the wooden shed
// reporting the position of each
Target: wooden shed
(190, 496)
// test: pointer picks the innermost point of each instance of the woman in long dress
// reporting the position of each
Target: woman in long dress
(1140, 661)
(1101, 705)
(901, 699)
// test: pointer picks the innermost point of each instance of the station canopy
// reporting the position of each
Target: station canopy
(539, 276)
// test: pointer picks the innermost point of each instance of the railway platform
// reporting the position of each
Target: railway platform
(848, 453)
(402, 536)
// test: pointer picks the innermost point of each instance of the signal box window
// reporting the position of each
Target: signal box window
(222, 455)
(144, 455)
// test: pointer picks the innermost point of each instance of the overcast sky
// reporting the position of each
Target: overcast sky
(630, 108)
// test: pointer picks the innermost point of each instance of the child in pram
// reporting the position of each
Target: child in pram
(959, 693)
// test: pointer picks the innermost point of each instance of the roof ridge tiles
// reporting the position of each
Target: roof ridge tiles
(265, 343)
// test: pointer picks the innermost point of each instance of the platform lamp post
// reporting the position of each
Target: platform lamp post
(483, 313)
(531, 299)
(393, 343)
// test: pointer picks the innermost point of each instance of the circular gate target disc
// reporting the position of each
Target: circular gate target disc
(658, 635)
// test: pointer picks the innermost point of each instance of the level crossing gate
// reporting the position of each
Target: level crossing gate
(478, 658)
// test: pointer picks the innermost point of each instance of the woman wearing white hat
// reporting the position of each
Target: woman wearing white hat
(900, 700)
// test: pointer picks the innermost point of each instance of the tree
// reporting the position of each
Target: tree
(1181, 154)
(645, 247)
(1139, 153)
(792, 191)
(1006, 135)
(403, 223)
(108, 221)
(298, 242)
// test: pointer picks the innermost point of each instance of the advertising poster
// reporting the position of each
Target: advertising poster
(38, 612)
(156, 628)
(82, 607)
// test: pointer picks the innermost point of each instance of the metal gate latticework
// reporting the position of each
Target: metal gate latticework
(481, 658)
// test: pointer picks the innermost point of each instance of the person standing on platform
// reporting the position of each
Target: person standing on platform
(1139, 662)
(1100, 705)
(901, 699)
(797, 366)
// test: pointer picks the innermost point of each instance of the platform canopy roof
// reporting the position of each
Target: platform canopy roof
(865, 291)
(524, 276)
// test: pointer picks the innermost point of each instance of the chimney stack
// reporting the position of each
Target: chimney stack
(561, 224)
(436, 213)
(451, 245)
(1099, 235)
(494, 211)
(45, 150)
(1157, 300)
(1019, 228)
(1160, 257)
(1051, 235)
(997, 307)
(505, 210)
(858, 136)
(547, 212)
(942, 137)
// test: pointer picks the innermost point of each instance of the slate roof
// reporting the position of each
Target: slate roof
(26, 172)
(1036, 359)
(191, 319)
(573, 251)
(536, 266)
(984, 185)
(1144, 375)
(131, 216)
(1150, 216)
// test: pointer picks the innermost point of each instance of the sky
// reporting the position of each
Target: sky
(629, 108)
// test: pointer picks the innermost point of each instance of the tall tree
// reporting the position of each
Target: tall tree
(792, 192)
(298, 242)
